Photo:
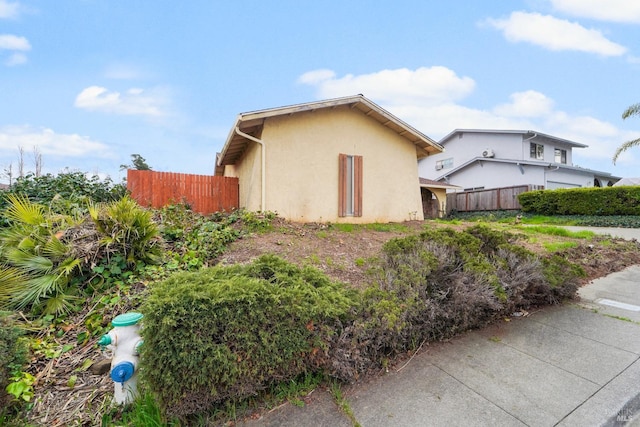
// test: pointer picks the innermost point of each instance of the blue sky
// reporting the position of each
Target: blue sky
(90, 82)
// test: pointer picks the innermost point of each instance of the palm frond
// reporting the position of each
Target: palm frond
(34, 290)
(22, 210)
(633, 110)
(55, 249)
(27, 262)
(625, 147)
(67, 267)
(10, 281)
(59, 304)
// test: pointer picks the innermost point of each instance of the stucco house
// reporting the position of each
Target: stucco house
(476, 159)
(337, 160)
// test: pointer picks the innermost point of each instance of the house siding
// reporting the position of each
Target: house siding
(465, 146)
(496, 175)
(302, 168)
(248, 169)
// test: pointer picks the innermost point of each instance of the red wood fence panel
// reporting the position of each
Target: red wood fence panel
(204, 193)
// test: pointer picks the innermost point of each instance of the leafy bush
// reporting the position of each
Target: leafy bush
(66, 193)
(37, 266)
(441, 283)
(74, 186)
(583, 201)
(196, 240)
(225, 333)
(228, 332)
(12, 355)
(127, 229)
(44, 256)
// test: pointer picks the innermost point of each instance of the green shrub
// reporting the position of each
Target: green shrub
(73, 186)
(38, 267)
(45, 256)
(127, 229)
(440, 283)
(583, 201)
(12, 355)
(227, 332)
(195, 240)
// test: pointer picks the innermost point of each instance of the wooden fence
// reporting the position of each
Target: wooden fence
(203, 193)
(488, 200)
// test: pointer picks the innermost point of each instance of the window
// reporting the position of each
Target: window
(444, 164)
(349, 185)
(560, 156)
(536, 151)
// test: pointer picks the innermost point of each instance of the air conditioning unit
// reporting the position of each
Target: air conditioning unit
(438, 166)
(488, 153)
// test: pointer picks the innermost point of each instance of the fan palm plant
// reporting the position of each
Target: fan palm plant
(127, 229)
(36, 265)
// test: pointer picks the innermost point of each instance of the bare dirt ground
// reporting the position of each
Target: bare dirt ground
(343, 255)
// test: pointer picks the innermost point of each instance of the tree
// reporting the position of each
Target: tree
(8, 173)
(633, 110)
(138, 163)
(20, 161)
(37, 160)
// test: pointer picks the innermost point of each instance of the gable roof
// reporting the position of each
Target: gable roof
(430, 183)
(525, 163)
(251, 124)
(531, 134)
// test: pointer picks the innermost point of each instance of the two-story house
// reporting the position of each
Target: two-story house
(477, 159)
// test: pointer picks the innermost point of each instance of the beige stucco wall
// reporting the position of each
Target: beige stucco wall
(302, 168)
(247, 169)
(441, 195)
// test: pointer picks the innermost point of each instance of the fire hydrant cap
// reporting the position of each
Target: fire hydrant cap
(104, 340)
(126, 319)
(122, 372)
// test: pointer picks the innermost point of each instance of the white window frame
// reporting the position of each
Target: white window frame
(536, 151)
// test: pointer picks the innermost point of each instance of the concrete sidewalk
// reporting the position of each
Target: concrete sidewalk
(623, 233)
(571, 365)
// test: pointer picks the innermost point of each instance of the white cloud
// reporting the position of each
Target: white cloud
(437, 116)
(427, 86)
(16, 45)
(603, 10)
(133, 102)
(316, 76)
(525, 104)
(555, 34)
(425, 98)
(9, 10)
(50, 143)
(11, 42)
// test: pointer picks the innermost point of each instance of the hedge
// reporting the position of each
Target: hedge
(225, 333)
(624, 200)
(228, 332)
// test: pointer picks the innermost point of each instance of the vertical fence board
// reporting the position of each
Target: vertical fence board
(505, 198)
(204, 193)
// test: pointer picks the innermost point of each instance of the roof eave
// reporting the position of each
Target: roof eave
(512, 131)
(425, 146)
